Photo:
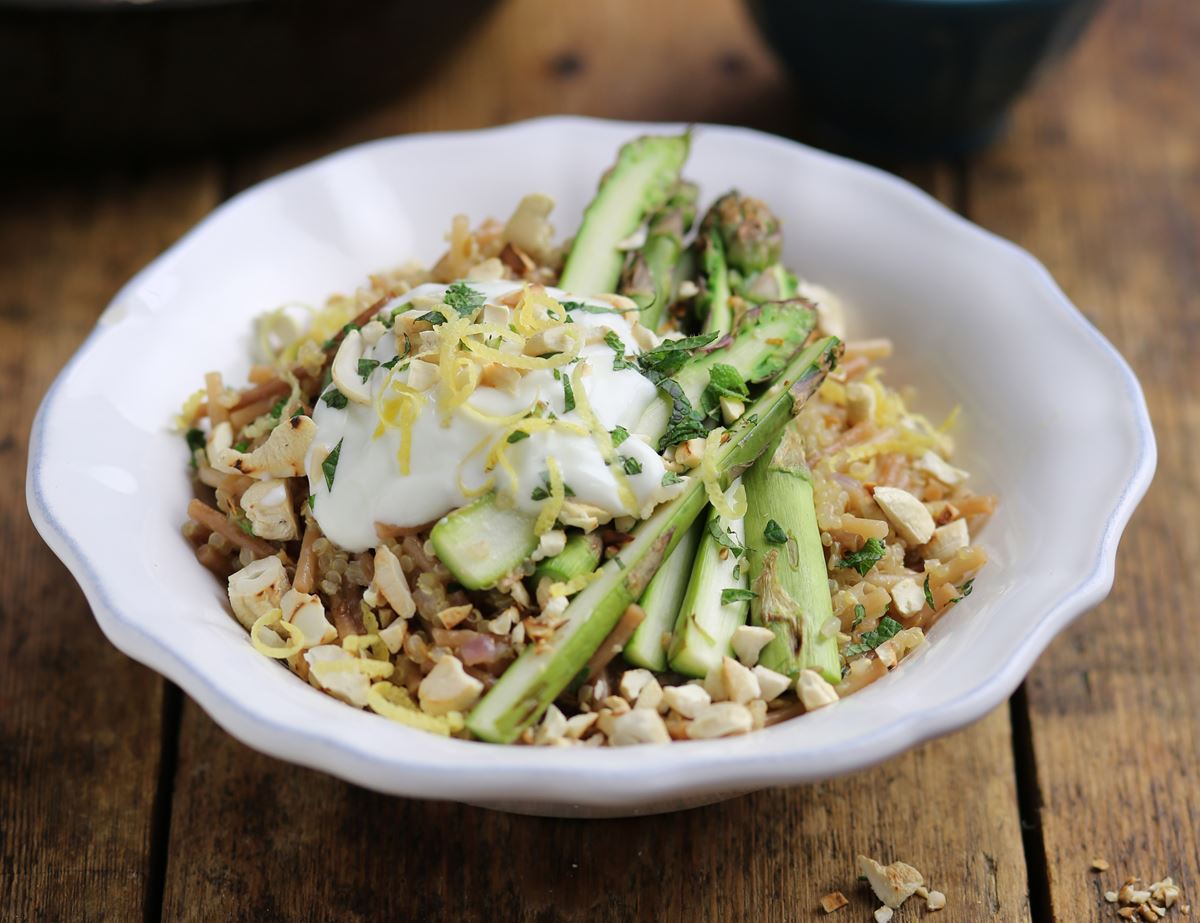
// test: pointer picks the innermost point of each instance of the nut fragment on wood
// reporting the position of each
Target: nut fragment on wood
(833, 901)
(1099, 865)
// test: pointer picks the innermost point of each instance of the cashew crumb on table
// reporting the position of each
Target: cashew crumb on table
(833, 901)
(1150, 902)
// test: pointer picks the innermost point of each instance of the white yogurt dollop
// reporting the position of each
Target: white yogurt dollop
(448, 455)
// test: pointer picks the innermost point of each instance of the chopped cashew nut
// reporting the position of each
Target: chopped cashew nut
(834, 900)
(394, 635)
(422, 375)
(741, 685)
(348, 685)
(884, 915)
(633, 682)
(391, 582)
(640, 726)
(690, 452)
(687, 700)
(448, 687)
(552, 728)
(908, 597)
(651, 696)
(947, 539)
(528, 228)
(936, 900)
(307, 612)
(550, 544)
(831, 316)
(748, 642)
(893, 884)
(714, 683)
(344, 369)
(269, 509)
(256, 589)
(578, 725)
(496, 315)
(908, 514)
(281, 456)
(814, 690)
(452, 616)
(860, 402)
(720, 720)
(934, 464)
(731, 410)
(772, 684)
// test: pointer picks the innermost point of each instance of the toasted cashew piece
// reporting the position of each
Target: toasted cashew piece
(281, 456)
(268, 506)
(256, 589)
(345, 369)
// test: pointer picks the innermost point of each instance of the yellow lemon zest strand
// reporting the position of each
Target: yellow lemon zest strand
(458, 374)
(603, 440)
(554, 503)
(378, 649)
(498, 454)
(273, 618)
(908, 442)
(521, 361)
(951, 419)
(397, 406)
(373, 669)
(574, 585)
(394, 702)
(355, 644)
(493, 419)
(526, 316)
(712, 481)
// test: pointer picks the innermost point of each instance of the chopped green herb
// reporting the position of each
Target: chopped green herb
(463, 299)
(868, 641)
(860, 613)
(391, 363)
(329, 466)
(669, 478)
(619, 435)
(684, 423)
(433, 317)
(542, 491)
(736, 594)
(724, 538)
(312, 501)
(617, 346)
(335, 399)
(244, 525)
(366, 367)
(594, 309)
(516, 436)
(277, 410)
(669, 356)
(631, 465)
(773, 533)
(965, 590)
(241, 445)
(723, 381)
(929, 594)
(195, 439)
(865, 558)
(568, 394)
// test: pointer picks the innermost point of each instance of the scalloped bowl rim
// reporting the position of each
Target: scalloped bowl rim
(629, 778)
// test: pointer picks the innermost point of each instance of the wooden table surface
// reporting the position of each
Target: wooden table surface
(121, 800)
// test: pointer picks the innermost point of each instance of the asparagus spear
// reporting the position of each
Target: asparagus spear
(661, 603)
(739, 237)
(480, 543)
(787, 562)
(649, 277)
(542, 672)
(716, 601)
(645, 174)
(713, 302)
(581, 556)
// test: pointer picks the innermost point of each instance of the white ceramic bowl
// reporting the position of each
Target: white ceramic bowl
(1054, 422)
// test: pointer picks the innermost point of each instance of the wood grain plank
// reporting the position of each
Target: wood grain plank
(80, 724)
(1100, 178)
(252, 838)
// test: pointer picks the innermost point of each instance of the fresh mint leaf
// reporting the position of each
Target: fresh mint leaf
(277, 410)
(860, 613)
(195, 439)
(631, 465)
(619, 434)
(568, 394)
(735, 595)
(669, 478)
(865, 558)
(868, 641)
(723, 381)
(333, 340)
(366, 367)
(724, 537)
(684, 423)
(241, 445)
(433, 317)
(516, 436)
(669, 356)
(964, 590)
(329, 466)
(335, 399)
(928, 594)
(463, 299)
(617, 346)
(773, 533)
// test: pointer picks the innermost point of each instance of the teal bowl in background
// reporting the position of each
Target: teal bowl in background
(916, 76)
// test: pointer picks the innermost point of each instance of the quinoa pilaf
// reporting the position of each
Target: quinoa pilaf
(635, 487)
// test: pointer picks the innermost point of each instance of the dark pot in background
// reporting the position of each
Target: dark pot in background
(917, 76)
(82, 80)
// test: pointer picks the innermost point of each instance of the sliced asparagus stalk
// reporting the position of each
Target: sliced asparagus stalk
(713, 302)
(787, 562)
(716, 602)
(542, 672)
(581, 556)
(775, 283)
(645, 174)
(749, 231)
(766, 339)
(649, 278)
(661, 603)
